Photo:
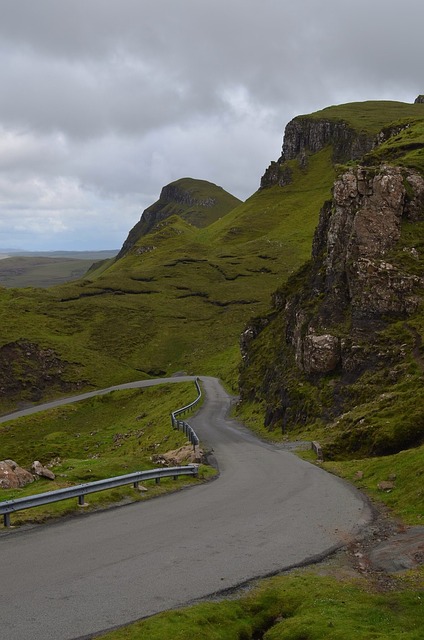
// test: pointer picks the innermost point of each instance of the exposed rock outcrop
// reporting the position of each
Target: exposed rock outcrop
(361, 278)
(12, 476)
(306, 135)
(183, 455)
(309, 135)
(27, 370)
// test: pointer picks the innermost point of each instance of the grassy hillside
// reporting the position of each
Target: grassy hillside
(46, 269)
(178, 300)
(104, 436)
(371, 116)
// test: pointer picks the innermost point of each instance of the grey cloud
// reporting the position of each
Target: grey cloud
(118, 97)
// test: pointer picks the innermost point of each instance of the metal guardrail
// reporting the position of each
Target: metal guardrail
(184, 426)
(80, 490)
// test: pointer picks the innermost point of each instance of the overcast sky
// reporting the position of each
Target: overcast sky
(103, 102)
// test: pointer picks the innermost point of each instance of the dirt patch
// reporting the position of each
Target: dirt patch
(381, 551)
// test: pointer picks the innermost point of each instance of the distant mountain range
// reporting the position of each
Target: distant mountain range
(76, 255)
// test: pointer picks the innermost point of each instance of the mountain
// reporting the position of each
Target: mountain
(341, 348)
(196, 201)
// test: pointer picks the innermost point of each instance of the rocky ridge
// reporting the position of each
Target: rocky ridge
(324, 331)
(196, 201)
(307, 135)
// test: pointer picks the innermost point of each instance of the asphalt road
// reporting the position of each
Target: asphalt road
(267, 511)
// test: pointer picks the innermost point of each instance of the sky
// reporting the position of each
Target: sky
(103, 102)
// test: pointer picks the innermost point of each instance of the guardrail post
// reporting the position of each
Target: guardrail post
(135, 485)
(81, 501)
(318, 450)
(157, 480)
(6, 519)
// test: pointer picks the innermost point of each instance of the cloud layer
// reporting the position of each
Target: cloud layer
(105, 101)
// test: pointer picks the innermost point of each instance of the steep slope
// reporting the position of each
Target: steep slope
(341, 351)
(198, 202)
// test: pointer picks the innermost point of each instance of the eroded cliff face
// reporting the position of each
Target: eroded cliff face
(366, 272)
(28, 370)
(306, 135)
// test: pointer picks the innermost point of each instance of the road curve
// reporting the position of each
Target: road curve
(266, 512)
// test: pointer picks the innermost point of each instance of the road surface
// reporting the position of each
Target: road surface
(267, 511)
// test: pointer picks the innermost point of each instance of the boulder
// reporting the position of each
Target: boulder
(321, 353)
(183, 455)
(386, 485)
(12, 476)
(38, 469)
(8, 479)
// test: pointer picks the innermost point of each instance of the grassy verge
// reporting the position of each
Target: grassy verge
(404, 470)
(108, 435)
(302, 606)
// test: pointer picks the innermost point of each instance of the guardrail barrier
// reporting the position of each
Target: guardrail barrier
(79, 491)
(184, 426)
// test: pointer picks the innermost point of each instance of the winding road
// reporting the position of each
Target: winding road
(267, 511)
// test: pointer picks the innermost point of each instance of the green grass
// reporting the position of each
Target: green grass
(371, 116)
(405, 149)
(40, 272)
(405, 468)
(101, 437)
(302, 606)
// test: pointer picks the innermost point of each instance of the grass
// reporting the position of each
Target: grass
(101, 437)
(40, 272)
(302, 606)
(371, 116)
(405, 469)
(404, 149)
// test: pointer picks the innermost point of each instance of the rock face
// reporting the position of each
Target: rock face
(305, 135)
(26, 370)
(12, 476)
(353, 276)
(361, 277)
(419, 99)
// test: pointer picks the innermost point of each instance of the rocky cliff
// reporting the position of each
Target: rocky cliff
(306, 135)
(325, 347)
(198, 202)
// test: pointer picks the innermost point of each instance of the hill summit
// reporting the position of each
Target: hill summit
(196, 201)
